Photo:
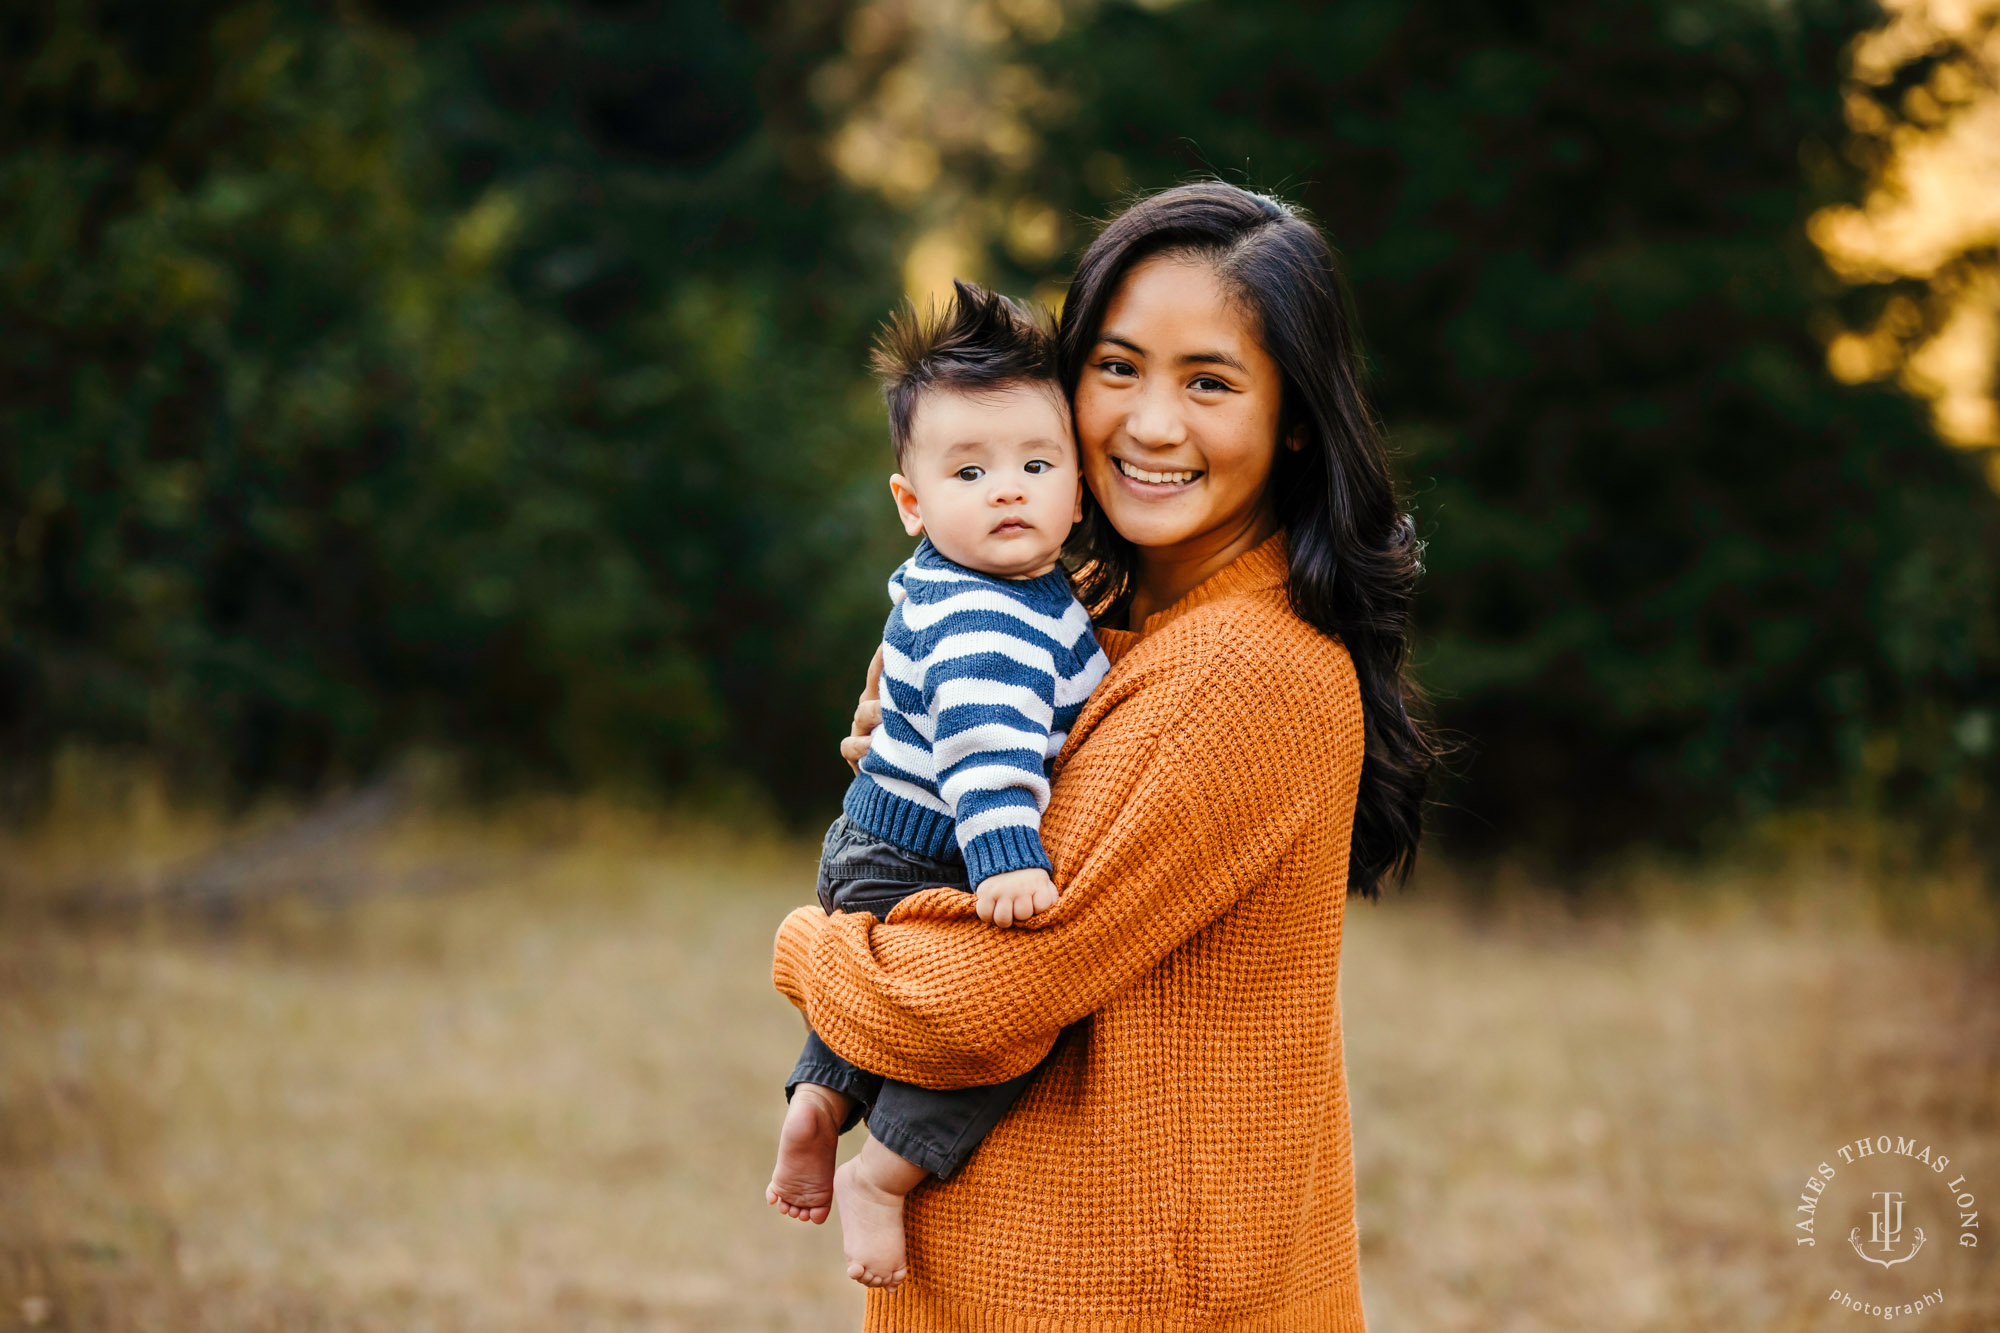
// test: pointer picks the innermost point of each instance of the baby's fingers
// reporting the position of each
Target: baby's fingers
(983, 904)
(1045, 897)
(1003, 910)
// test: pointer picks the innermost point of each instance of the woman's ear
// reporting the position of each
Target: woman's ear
(906, 504)
(1295, 438)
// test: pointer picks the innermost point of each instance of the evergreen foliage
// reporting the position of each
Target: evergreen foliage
(492, 376)
(1677, 572)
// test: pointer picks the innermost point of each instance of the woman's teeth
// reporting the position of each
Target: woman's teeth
(1157, 478)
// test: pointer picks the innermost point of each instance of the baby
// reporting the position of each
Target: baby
(986, 661)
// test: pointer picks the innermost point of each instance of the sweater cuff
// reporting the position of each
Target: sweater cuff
(792, 952)
(996, 851)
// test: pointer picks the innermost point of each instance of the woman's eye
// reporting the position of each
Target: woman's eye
(1120, 368)
(1209, 384)
(970, 473)
(1038, 466)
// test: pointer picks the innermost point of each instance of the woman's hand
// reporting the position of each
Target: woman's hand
(867, 715)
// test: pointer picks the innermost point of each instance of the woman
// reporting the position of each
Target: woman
(1182, 1158)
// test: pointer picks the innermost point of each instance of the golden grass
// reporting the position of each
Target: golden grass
(547, 1098)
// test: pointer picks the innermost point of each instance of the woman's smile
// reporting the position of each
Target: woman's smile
(1151, 480)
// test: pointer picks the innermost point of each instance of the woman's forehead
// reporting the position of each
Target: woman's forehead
(1174, 305)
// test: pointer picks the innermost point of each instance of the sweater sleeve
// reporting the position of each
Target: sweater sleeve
(1163, 817)
(991, 709)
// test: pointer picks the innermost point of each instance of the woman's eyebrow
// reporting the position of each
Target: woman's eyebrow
(1189, 359)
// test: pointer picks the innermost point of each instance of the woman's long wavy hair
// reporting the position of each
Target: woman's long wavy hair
(1353, 550)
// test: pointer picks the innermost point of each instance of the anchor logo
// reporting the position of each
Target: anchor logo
(1886, 1231)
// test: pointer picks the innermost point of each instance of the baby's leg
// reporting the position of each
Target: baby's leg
(871, 1190)
(913, 1133)
(825, 1092)
(802, 1180)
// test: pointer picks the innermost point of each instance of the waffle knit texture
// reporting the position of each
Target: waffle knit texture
(1182, 1160)
(982, 678)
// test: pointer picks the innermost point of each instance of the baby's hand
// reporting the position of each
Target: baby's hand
(1015, 896)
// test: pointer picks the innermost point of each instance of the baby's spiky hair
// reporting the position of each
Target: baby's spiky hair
(981, 340)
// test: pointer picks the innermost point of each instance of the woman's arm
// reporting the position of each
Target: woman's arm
(1136, 829)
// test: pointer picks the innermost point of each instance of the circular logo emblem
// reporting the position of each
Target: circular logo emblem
(1887, 1222)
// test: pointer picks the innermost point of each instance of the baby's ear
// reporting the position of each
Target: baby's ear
(906, 504)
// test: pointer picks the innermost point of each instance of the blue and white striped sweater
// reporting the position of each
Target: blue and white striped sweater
(982, 678)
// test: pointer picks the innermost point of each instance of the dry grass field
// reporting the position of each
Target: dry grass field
(536, 1088)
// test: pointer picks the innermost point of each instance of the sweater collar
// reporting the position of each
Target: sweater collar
(1265, 565)
(1045, 592)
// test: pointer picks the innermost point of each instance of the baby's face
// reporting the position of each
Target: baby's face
(992, 478)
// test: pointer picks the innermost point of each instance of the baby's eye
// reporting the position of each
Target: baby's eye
(1038, 465)
(970, 473)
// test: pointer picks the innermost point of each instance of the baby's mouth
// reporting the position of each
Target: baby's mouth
(1010, 525)
(1180, 477)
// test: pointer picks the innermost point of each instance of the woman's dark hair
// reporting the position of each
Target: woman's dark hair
(1353, 551)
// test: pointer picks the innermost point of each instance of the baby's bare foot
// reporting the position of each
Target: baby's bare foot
(802, 1181)
(871, 1229)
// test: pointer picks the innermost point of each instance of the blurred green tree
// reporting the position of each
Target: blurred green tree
(490, 375)
(1678, 574)
(492, 389)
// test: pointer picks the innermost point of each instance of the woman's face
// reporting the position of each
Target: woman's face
(1177, 411)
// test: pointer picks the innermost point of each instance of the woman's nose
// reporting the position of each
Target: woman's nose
(1154, 422)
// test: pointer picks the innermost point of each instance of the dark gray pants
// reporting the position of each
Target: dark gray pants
(935, 1130)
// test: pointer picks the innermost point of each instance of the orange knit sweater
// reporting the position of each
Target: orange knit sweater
(1182, 1161)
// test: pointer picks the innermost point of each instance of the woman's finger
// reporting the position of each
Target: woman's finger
(873, 690)
(867, 714)
(867, 717)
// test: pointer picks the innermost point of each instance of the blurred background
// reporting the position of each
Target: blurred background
(443, 524)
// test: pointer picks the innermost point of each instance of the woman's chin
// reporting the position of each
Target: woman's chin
(1159, 521)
